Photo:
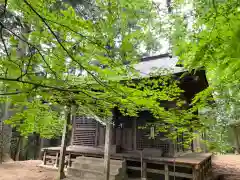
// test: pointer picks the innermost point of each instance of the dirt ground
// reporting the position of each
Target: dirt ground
(25, 170)
(229, 165)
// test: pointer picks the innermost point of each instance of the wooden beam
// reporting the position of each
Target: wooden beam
(108, 136)
(156, 171)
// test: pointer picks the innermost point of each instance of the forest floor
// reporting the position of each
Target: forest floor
(229, 165)
(25, 170)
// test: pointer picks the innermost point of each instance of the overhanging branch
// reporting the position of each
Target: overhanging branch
(31, 45)
(44, 85)
(63, 47)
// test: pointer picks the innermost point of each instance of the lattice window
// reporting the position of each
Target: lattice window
(85, 131)
(82, 122)
(143, 141)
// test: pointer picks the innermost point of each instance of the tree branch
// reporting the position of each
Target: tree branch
(12, 93)
(28, 65)
(63, 47)
(30, 44)
(47, 86)
(4, 9)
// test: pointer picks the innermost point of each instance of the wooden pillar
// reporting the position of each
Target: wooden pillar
(73, 119)
(61, 174)
(237, 145)
(166, 172)
(56, 160)
(144, 169)
(134, 126)
(108, 136)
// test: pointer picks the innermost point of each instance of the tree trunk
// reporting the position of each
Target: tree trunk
(5, 134)
(237, 145)
(40, 148)
(61, 174)
(108, 141)
(19, 148)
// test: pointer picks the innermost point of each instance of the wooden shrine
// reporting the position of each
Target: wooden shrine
(159, 158)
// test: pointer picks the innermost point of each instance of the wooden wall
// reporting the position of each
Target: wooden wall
(127, 135)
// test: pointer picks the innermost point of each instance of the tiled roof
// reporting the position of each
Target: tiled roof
(165, 63)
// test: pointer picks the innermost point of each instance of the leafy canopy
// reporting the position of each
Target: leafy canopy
(55, 56)
(208, 37)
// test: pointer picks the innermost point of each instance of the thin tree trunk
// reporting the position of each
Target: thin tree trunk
(1, 142)
(236, 134)
(108, 136)
(40, 148)
(61, 174)
(19, 147)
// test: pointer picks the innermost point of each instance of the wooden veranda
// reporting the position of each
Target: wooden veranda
(188, 165)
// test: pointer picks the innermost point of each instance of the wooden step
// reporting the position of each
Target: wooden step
(97, 160)
(96, 167)
(88, 174)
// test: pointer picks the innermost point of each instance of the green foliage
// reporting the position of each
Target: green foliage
(210, 41)
(38, 118)
(59, 57)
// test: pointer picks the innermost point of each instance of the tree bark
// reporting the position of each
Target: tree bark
(19, 148)
(40, 148)
(61, 174)
(107, 154)
(5, 134)
(235, 131)
(69, 115)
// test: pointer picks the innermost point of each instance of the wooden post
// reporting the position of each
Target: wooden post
(195, 173)
(108, 136)
(166, 172)
(61, 174)
(237, 151)
(73, 128)
(96, 134)
(56, 160)
(134, 134)
(44, 157)
(144, 168)
(69, 159)
(201, 173)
